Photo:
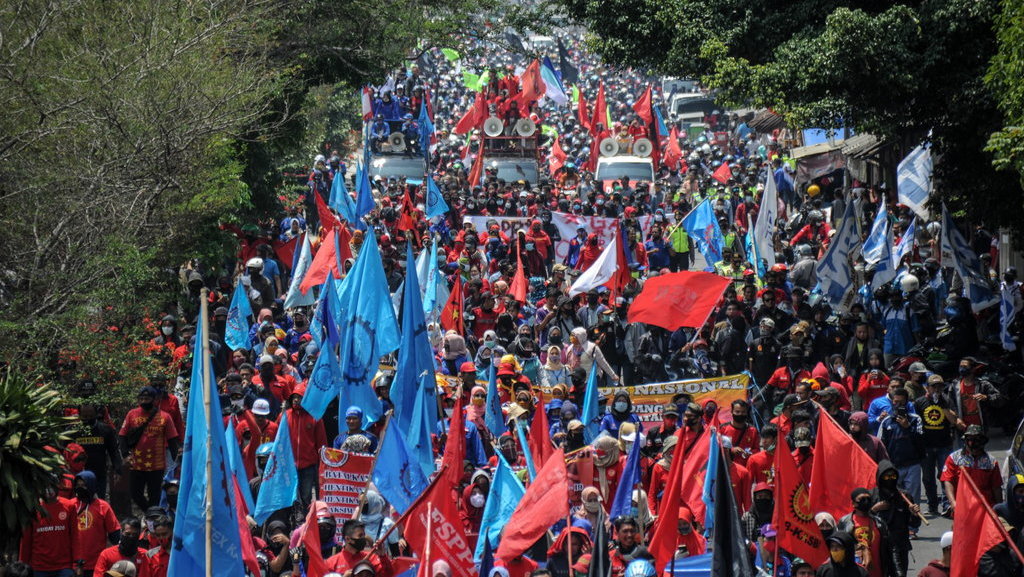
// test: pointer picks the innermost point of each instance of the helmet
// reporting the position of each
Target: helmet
(815, 216)
(934, 228)
(265, 450)
(780, 267)
(640, 568)
(570, 166)
(909, 283)
(256, 263)
(813, 190)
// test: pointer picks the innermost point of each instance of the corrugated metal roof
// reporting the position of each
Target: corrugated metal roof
(862, 146)
(766, 121)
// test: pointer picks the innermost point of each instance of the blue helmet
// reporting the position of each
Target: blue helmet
(640, 568)
(265, 450)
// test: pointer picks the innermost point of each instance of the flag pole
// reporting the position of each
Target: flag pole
(207, 402)
(401, 519)
(995, 519)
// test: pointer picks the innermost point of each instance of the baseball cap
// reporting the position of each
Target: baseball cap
(918, 367)
(670, 409)
(467, 367)
(122, 568)
(261, 407)
(267, 359)
(936, 380)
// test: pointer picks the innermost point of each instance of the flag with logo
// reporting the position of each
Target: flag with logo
(702, 226)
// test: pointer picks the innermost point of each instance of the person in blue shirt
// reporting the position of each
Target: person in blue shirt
(354, 422)
(271, 270)
(783, 181)
(411, 131)
(898, 322)
(474, 446)
(657, 250)
(387, 107)
(620, 411)
(882, 407)
(379, 132)
(575, 244)
(292, 225)
(902, 433)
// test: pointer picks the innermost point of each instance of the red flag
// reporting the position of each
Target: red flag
(533, 85)
(582, 111)
(451, 314)
(407, 214)
(476, 172)
(545, 502)
(446, 536)
(794, 515)
(519, 288)
(316, 566)
(557, 158)
(642, 107)
(975, 528)
(623, 275)
(455, 446)
(367, 104)
(839, 467)
(666, 532)
(473, 117)
(673, 154)
(540, 440)
(680, 299)
(327, 218)
(695, 469)
(722, 174)
(325, 261)
(248, 550)
(600, 114)
(285, 250)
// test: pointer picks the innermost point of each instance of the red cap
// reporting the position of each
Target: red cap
(467, 367)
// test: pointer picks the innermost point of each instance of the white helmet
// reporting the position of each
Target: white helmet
(934, 228)
(256, 263)
(909, 283)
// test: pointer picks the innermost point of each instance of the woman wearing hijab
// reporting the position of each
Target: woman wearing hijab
(591, 508)
(689, 535)
(571, 544)
(554, 372)
(582, 353)
(474, 498)
(607, 466)
(454, 352)
(476, 412)
(621, 412)
(376, 522)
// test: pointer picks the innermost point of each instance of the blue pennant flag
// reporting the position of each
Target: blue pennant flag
(531, 467)
(702, 226)
(426, 126)
(486, 558)
(414, 390)
(835, 275)
(280, 485)
(397, 476)
(623, 502)
(436, 206)
(914, 180)
(589, 415)
(875, 243)
(493, 418)
(236, 332)
(906, 245)
(710, 478)
(364, 193)
(1008, 309)
(324, 382)
(368, 327)
(427, 272)
(958, 254)
(884, 269)
(662, 129)
(340, 200)
(303, 258)
(502, 498)
(204, 441)
(237, 465)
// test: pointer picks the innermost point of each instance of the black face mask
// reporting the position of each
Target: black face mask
(172, 501)
(128, 545)
(764, 507)
(83, 494)
(739, 418)
(89, 422)
(358, 544)
(146, 406)
(863, 505)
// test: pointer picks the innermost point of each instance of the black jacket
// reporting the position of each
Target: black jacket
(848, 568)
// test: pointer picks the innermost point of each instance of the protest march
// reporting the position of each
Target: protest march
(540, 324)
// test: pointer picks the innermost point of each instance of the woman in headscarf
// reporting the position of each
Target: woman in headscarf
(689, 533)
(621, 412)
(591, 507)
(607, 466)
(571, 543)
(554, 372)
(376, 522)
(476, 412)
(489, 346)
(474, 498)
(454, 352)
(582, 353)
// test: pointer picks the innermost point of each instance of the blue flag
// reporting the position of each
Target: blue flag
(236, 332)
(623, 502)
(237, 465)
(368, 327)
(702, 226)
(493, 418)
(835, 275)
(1007, 313)
(399, 478)
(414, 390)
(914, 180)
(280, 486)
(875, 243)
(436, 206)
(204, 441)
(531, 467)
(324, 382)
(428, 280)
(426, 130)
(505, 493)
(958, 254)
(662, 129)
(486, 558)
(710, 478)
(906, 244)
(294, 297)
(340, 200)
(588, 414)
(364, 193)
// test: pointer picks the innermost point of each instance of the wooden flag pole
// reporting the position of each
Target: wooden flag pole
(204, 358)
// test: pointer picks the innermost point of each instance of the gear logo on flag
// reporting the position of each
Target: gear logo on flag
(800, 503)
(357, 370)
(322, 378)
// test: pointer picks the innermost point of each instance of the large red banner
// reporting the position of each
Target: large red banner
(343, 479)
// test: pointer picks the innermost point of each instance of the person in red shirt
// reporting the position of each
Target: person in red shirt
(485, 317)
(308, 437)
(589, 252)
(146, 435)
(660, 473)
(355, 550)
(97, 525)
(873, 382)
(540, 239)
(803, 452)
(255, 429)
(159, 557)
(626, 542)
(50, 544)
(740, 478)
(279, 385)
(875, 553)
(167, 402)
(762, 464)
(976, 462)
(128, 549)
(743, 435)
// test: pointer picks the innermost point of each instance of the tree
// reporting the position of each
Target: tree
(31, 433)
(897, 70)
(1006, 79)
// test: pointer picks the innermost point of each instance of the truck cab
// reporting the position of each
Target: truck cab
(513, 152)
(612, 168)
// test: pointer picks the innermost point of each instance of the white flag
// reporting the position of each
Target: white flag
(598, 273)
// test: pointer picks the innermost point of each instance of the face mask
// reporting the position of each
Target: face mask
(739, 418)
(964, 371)
(448, 412)
(146, 406)
(838, 556)
(83, 494)
(691, 420)
(592, 506)
(764, 506)
(490, 344)
(128, 545)
(1018, 501)
(529, 246)
(863, 506)
(476, 500)
(621, 406)
(167, 331)
(172, 500)
(555, 339)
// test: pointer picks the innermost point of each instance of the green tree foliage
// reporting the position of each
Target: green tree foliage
(1006, 78)
(30, 428)
(898, 70)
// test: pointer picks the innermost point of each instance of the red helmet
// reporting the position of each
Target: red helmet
(780, 267)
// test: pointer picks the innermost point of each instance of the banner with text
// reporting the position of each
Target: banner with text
(649, 400)
(343, 479)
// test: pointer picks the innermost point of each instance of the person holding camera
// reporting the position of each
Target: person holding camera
(902, 433)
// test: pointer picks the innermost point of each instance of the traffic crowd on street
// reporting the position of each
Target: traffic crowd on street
(730, 366)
